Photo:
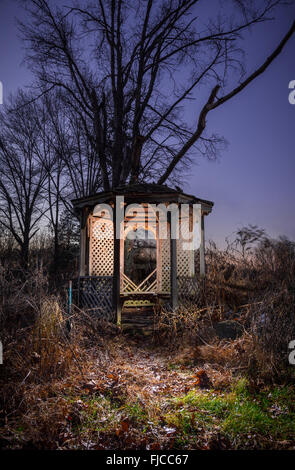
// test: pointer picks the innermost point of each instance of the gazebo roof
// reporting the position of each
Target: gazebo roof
(140, 193)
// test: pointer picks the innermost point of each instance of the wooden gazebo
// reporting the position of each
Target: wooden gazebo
(128, 252)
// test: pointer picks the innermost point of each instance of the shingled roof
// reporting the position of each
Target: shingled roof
(147, 187)
(146, 192)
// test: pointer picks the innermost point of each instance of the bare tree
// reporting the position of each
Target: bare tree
(52, 162)
(22, 176)
(71, 164)
(127, 68)
(64, 153)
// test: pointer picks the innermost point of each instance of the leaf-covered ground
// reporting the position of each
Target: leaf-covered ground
(133, 395)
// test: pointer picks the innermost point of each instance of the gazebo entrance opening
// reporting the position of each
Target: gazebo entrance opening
(140, 261)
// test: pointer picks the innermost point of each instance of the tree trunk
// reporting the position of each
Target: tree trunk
(25, 253)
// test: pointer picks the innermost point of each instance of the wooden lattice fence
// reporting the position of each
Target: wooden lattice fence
(101, 256)
(96, 295)
(188, 290)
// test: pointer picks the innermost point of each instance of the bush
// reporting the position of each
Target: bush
(272, 327)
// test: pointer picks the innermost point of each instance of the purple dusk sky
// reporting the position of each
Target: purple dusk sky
(254, 180)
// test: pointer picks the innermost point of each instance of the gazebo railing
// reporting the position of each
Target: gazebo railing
(149, 284)
(188, 289)
(95, 293)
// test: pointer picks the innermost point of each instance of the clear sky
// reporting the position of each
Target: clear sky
(254, 180)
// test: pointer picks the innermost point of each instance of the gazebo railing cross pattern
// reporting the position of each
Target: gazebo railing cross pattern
(147, 285)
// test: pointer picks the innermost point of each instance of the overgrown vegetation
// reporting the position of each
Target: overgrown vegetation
(214, 375)
(106, 109)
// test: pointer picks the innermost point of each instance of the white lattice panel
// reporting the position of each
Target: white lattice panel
(101, 256)
(165, 250)
(185, 257)
(185, 254)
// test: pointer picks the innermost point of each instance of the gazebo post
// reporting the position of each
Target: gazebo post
(173, 267)
(83, 234)
(116, 276)
(202, 249)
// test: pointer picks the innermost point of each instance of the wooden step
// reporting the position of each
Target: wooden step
(135, 321)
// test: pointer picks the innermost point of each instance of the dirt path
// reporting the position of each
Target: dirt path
(134, 395)
(150, 374)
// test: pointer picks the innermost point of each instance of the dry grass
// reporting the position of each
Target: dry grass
(93, 388)
(116, 395)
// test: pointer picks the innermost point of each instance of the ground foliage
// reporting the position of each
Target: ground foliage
(129, 394)
(183, 386)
